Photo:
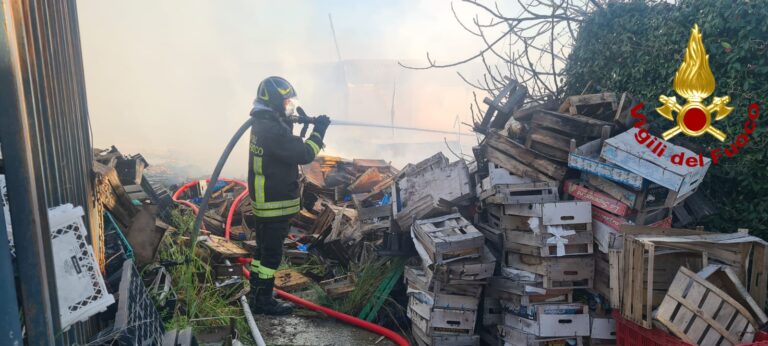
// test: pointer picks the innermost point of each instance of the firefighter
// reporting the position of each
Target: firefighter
(273, 174)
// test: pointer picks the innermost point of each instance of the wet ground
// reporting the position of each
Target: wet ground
(300, 329)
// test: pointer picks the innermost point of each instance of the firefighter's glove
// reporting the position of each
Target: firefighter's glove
(321, 124)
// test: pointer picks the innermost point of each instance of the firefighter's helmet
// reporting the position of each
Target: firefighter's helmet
(277, 94)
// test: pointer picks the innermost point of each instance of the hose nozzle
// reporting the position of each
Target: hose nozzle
(302, 118)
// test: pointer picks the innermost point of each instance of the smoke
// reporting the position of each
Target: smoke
(173, 80)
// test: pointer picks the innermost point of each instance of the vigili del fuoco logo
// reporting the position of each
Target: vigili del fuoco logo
(694, 82)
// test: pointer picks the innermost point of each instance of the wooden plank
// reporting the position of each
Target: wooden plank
(727, 280)
(758, 282)
(614, 190)
(530, 157)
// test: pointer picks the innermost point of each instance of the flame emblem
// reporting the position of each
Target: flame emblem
(694, 82)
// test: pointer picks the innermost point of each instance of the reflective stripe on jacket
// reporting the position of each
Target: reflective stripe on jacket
(273, 159)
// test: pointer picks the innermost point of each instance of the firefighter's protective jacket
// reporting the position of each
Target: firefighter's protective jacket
(274, 156)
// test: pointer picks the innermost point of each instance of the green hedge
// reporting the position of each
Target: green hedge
(638, 46)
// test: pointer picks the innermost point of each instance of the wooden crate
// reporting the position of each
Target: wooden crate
(608, 277)
(744, 254)
(550, 143)
(573, 125)
(603, 328)
(449, 238)
(446, 315)
(536, 192)
(651, 196)
(553, 320)
(458, 272)
(545, 244)
(700, 313)
(599, 106)
(575, 215)
(492, 313)
(624, 151)
(519, 160)
(586, 158)
(597, 198)
(419, 279)
(517, 337)
(443, 339)
(509, 289)
(556, 272)
(497, 175)
(660, 218)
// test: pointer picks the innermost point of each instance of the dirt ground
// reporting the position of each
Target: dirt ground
(313, 330)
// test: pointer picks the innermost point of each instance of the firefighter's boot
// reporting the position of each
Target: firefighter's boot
(261, 300)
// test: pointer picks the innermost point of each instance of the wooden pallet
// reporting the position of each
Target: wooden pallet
(225, 247)
(449, 238)
(556, 272)
(700, 313)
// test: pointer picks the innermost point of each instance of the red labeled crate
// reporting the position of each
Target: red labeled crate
(631, 334)
(761, 339)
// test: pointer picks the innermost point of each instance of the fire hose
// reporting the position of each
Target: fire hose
(399, 340)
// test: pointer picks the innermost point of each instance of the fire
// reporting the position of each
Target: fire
(694, 80)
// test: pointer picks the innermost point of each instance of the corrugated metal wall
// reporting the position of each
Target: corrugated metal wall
(44, 45)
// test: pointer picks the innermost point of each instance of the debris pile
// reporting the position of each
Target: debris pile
(576, 200)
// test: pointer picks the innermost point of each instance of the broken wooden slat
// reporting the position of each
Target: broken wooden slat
(725, 279)
(690, 311)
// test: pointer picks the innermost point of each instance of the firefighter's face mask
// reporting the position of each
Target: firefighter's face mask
(290, 106)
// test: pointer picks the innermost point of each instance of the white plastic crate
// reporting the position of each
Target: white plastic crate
(81, 289)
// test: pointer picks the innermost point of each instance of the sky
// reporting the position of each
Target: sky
(173, 80)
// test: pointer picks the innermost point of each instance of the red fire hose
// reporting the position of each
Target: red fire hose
(389, 334)
(399, 340)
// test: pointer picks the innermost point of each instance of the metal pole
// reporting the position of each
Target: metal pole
(10, 325)
(27, 201)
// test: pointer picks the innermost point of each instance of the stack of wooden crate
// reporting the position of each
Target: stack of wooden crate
(546, 246)
(445, 289)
